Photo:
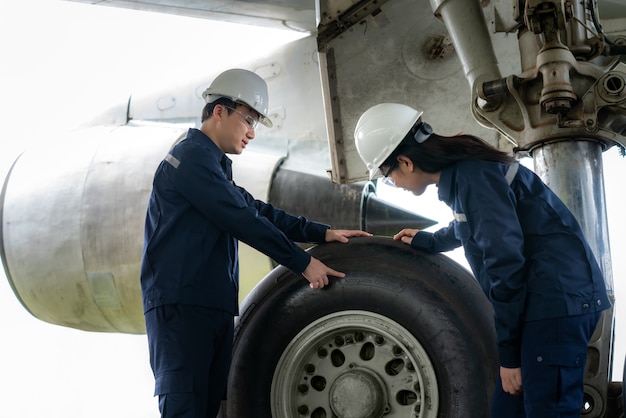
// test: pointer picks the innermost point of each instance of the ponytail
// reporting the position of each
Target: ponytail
(439, 152)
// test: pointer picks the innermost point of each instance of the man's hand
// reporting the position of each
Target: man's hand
(406, 235)
(342, 235)
(317, 273)
(511, 380)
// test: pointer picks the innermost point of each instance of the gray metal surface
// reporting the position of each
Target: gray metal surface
(404, 54)
(286, 14)
(72, 225)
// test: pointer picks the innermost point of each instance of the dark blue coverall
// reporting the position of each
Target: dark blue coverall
(531, 259)
(190, 270)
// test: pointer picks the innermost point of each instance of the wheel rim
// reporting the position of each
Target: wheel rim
(354, 364)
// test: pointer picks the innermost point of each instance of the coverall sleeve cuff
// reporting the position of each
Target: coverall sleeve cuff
(509, 358)
(422, 240)
(300, 263)
(319, 231)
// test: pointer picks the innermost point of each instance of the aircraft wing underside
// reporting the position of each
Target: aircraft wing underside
(299, 15)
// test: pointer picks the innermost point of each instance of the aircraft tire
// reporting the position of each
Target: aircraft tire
(404, 334)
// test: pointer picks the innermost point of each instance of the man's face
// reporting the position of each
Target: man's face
(237, 128)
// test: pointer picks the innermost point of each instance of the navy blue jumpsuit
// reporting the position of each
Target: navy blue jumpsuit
(533, 263)
(190, 270)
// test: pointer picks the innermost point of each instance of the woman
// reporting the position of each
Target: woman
(524, 247)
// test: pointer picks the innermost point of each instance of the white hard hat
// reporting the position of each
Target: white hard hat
(241, 86)
(380, 130)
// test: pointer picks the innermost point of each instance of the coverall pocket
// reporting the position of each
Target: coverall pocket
(553, 381)
(560, 355)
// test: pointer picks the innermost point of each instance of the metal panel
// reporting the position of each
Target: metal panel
(402, 54)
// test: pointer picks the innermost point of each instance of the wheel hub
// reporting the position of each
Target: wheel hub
(358, 393)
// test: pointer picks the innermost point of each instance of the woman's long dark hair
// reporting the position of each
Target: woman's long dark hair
(439, 152)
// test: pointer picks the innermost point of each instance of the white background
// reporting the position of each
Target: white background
(62, 62)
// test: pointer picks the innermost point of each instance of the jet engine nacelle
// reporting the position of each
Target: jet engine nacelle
(72, 222)
(72, 218)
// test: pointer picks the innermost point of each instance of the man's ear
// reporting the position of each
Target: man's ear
(218, 111)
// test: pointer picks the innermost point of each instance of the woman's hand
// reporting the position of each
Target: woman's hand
(406, 235)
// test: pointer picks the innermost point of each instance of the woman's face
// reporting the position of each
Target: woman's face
(406, 175)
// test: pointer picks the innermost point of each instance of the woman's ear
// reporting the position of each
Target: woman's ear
(405, 162)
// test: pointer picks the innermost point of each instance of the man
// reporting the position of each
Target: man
(190, 271)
